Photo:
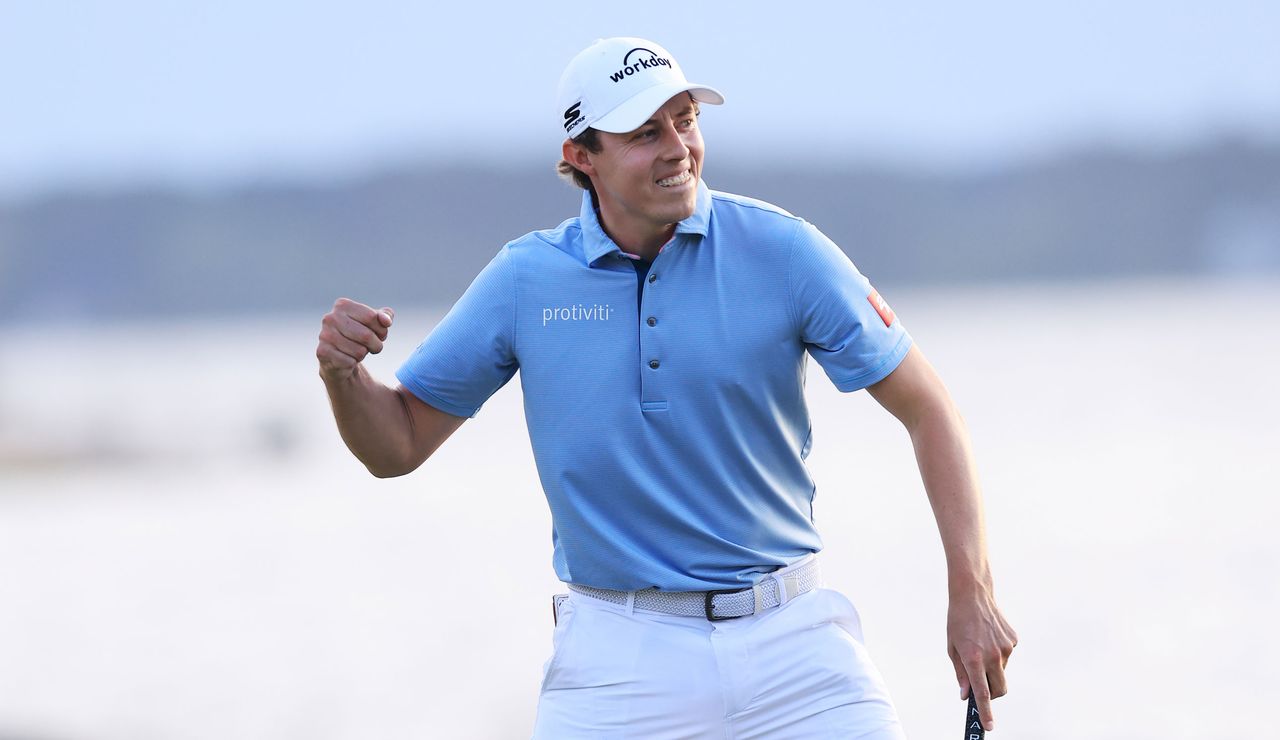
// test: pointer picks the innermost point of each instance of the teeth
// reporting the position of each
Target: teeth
(679, 179)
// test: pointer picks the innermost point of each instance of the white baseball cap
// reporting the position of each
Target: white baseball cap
(616, 84)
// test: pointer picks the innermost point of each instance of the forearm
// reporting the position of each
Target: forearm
(374, 423)
(947, 469)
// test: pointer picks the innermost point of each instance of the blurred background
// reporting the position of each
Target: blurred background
(1075, 208)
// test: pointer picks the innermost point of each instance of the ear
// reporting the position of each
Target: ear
(578, 156)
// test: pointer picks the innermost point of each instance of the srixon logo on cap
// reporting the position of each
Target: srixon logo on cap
(642, 62)
(572, 116)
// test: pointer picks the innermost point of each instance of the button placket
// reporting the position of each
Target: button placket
(654, 362)
(650, 348)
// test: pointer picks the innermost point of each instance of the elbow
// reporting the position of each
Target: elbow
(940, 415)
(385, 472)
(391, 468)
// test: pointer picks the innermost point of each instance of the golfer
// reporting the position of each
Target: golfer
(661, 338)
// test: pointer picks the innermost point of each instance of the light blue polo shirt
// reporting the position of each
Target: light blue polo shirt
(670, 440)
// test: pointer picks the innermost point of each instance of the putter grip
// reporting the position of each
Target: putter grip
(972, 722)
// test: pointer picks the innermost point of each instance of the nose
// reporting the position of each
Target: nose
(675, 149)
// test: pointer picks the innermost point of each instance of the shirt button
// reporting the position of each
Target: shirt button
(654, 364)
(653, 278)
(651, 321)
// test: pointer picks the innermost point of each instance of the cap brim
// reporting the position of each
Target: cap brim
(632, 114)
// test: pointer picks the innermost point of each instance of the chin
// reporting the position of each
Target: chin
(686, 208)
(677, 216)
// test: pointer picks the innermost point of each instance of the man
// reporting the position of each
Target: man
(661, 340)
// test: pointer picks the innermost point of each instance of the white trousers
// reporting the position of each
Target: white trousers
(792, 672)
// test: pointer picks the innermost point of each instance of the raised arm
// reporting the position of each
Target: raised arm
(979, 640)
(388, 429)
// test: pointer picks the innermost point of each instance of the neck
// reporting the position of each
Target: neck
(643, 239)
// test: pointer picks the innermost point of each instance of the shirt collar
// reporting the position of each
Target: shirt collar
(596, 243)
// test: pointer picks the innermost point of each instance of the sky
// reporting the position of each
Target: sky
(129, 91)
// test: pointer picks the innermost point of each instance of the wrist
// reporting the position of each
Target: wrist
(969, 583)
(337, 378)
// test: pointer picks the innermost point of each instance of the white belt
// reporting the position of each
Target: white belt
(773, 589)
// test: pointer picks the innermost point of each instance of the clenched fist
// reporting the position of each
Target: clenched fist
(347, 334)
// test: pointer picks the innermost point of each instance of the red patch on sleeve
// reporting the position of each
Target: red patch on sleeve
(882, 308)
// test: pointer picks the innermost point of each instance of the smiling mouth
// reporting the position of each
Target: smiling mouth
(679, 179)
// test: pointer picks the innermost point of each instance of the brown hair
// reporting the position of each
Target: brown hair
(590, 140)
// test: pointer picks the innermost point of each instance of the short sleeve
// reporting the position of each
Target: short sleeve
(470, 354)
(844, 323)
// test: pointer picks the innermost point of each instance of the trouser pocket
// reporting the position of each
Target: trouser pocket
(561, 616)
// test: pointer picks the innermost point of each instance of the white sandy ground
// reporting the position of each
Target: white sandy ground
(187, 551)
